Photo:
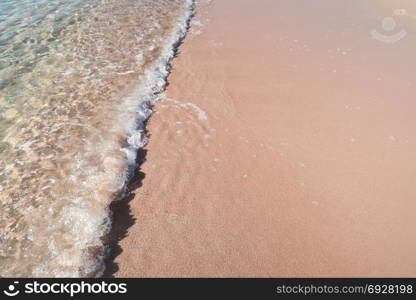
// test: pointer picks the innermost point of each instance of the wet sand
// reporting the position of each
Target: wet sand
(284, 146)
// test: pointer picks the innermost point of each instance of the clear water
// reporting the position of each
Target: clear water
(76, 80)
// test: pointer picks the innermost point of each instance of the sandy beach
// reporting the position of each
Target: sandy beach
(283, 146)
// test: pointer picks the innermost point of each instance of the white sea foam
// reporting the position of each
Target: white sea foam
(65, 235)
(201, 113)
(135, 110)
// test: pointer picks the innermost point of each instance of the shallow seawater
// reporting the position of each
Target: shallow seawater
(76, 80)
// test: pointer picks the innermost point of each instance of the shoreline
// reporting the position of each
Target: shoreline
(268, 158)
(74, 81)
(119, 208)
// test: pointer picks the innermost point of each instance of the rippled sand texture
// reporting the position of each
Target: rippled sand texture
(303, 160)
(72, 77)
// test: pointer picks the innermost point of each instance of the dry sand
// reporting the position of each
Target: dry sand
(285, 146)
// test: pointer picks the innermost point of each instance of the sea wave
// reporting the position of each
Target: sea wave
(73, 111)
